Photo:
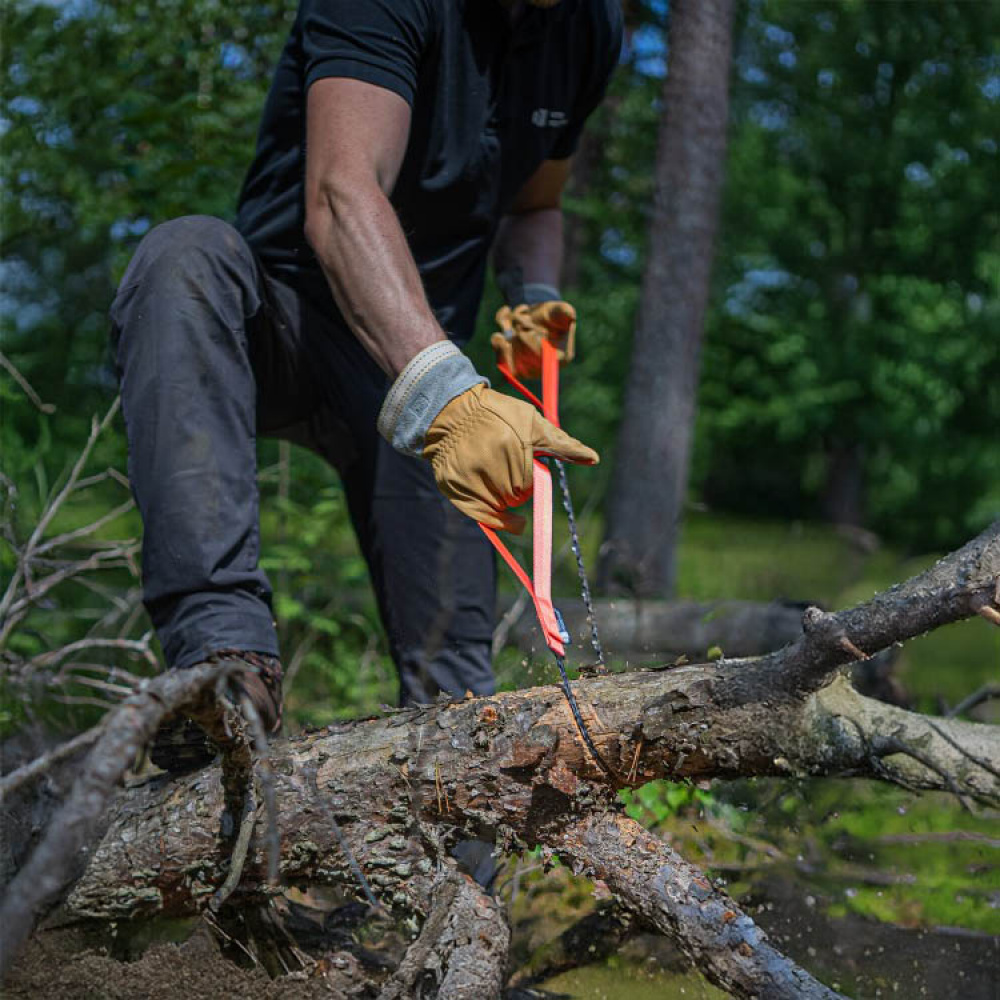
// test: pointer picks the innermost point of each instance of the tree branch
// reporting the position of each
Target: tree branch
(461, 951)
(125, 730)
(673, 897)
(959, 586)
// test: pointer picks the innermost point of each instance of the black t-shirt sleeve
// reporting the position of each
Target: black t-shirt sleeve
(608, 33)
(376, 41)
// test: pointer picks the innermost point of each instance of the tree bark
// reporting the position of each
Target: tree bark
(654, 444)
(461, 951)
(406, 787)
(667, 893)
(512, 768)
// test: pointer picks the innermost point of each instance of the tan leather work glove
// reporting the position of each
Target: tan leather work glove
(519, 344)
(481, 447)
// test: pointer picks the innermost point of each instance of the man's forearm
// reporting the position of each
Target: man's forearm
(532, 243)
(361, 248)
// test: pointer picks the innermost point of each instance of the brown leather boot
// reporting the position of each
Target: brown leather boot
(182, 744)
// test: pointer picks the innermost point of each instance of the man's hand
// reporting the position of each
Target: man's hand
(481, 447)
(519, 344)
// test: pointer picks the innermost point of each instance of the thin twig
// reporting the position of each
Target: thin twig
(36, 768)
(990, 614)
(87, 529)
(216, 928)
(22, 572)
(14, 613)
(115, 690)
(266, 776)
(238, 856)
(54, 657)
(895, 745)
(939, 837)
(986, 693)
(25, 385)
(97, 427)
(510, 618)
(978, 761)
(124, 731)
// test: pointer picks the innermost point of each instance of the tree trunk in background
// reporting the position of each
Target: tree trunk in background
(657, 427)
(843, 499)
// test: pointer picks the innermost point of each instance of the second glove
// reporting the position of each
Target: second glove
(519, 344)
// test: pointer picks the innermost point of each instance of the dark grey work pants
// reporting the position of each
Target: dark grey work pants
(211, 350)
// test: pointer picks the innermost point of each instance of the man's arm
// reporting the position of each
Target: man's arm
(530, 238)
(356, 140)
(479, 443)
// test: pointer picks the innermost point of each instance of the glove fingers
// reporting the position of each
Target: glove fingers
(514, 523)
(555, 441)
(482, 507)
(503, 348)
(499, 520)
(558, 316)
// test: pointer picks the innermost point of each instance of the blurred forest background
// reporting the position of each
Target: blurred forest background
(849, 399)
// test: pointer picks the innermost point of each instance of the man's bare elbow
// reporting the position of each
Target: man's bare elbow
(323, 203)
(335, 200)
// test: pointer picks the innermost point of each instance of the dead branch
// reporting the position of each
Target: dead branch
(461, 951)
(959, 586)
(592, 939)
(511, 766)
(25, 385)
(988, 692)
(673, 897)
(124, 731)
(23, 591)
(409, 785)
(36, 768)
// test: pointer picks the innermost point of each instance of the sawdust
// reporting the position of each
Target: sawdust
(60, 964)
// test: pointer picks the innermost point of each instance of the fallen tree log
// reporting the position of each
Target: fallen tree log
(512, 768)
(670, 629)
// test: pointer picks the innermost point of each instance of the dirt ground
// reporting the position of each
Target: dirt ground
(60, 964)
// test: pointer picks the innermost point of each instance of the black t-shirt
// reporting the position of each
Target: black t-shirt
(489, 103)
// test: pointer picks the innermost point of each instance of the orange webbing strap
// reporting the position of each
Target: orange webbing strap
(541, 517)
(550, 382)
(541, 589)
(519, 385)
(549, 403)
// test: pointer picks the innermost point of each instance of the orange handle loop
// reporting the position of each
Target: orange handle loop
(541, 518)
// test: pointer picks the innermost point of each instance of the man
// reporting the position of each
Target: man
(401, 139)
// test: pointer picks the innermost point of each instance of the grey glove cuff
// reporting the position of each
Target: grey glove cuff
(517, 293)
(431, 380)
(535, 293)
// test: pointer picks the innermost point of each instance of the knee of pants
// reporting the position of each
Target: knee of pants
(195, 255)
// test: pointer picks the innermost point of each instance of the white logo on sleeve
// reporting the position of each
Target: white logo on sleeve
(544, 118)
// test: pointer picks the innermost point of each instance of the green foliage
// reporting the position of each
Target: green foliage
(859, 269)
(116, 117)
(335, 658)
(930, 876)
(658, 801)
